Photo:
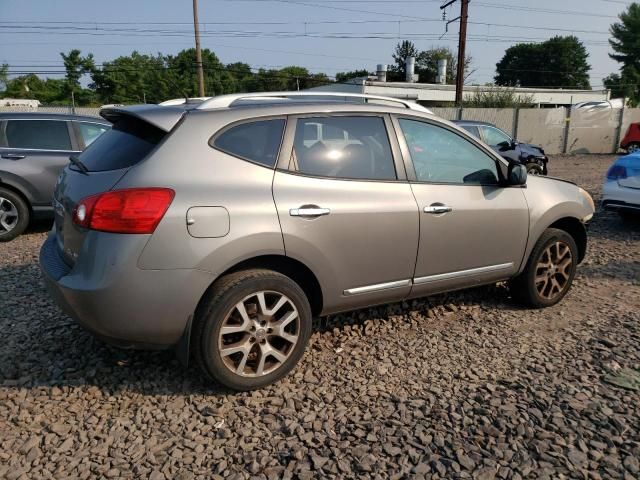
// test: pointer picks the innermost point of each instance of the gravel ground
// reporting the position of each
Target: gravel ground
(466, 385)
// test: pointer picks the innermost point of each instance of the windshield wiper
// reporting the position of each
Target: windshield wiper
(78, 163)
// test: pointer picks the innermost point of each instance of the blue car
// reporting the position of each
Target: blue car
(621, 189)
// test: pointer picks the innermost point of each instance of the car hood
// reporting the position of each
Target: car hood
(531, 150)
(631, 163)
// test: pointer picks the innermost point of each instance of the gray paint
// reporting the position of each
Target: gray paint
(374, 245)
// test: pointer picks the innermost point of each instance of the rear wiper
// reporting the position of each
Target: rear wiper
(78, 163)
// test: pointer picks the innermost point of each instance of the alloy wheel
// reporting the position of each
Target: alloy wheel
(8, 215)
(259, 334)
(553, 271)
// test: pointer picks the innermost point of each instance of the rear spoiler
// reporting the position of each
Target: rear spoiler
(164, 118)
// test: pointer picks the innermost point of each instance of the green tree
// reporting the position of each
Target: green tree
(4, 75)
(499, 98)
(76, 66)
(558, 62)
(427, 65)
(48, 91)
(134, 78)
(342, 77)
(625, 43)
(403, 50)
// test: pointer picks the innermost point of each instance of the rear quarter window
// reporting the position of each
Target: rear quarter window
(127, 143)
(257, 141)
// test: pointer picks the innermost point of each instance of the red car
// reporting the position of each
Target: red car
(631, 141)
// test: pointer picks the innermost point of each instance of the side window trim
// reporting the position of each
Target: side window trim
(287, 148)
(226, 128)
(408, 162)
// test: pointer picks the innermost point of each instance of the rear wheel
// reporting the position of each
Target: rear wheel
(14, 215)
(252, 329)
(550, 270)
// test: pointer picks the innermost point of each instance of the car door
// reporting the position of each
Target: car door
(473, 229)
(346, 209)
(37, 150)
(495, 138)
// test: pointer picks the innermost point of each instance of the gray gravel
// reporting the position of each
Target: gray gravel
(466, 385)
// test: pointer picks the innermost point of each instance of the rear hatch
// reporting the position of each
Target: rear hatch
(136, 132)
(632, 168)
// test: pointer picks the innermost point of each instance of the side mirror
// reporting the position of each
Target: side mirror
(517, 174)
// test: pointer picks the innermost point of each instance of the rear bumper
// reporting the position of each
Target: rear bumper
(110, 296)
(617, 198)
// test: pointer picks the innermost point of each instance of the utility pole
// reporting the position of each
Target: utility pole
(196, 28)
(462, 45)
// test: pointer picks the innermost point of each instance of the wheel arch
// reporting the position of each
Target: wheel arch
(18, 191)
(292, 268)
(577, 230)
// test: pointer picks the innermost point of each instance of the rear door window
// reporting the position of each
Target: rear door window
(128, 142)
(344, 147)
(38, 134)
(257, 141)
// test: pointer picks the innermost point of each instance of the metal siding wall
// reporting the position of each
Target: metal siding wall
(593, 131)
(544, 127)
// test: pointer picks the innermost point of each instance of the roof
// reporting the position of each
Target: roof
(49, 116)
(305, 96)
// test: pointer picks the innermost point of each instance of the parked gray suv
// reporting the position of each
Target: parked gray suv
(220, 228)
(34, 148)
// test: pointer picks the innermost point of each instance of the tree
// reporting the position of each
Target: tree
(427, 65)
(404, 50)
(625, 43)
(342, 77)
(558, 62)
(48, 91)
(499, 98)
(4, 75)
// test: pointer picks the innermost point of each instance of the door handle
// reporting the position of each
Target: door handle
(309, 212)
(437, 209)
(12, 156)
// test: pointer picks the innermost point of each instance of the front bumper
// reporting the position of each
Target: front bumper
(110, 296)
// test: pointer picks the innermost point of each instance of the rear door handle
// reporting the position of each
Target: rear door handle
(309, 212)
(436, 209)
(12, 156)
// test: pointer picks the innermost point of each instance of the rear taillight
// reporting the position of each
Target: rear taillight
(616, 172)
(133, 210)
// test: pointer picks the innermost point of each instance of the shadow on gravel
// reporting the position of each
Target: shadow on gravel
(39, 226)
(42, 347)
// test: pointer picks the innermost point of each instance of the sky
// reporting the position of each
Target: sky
(317, 34)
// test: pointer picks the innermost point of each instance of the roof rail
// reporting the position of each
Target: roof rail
(225, 101)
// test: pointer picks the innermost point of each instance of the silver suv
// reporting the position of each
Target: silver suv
(221, 227)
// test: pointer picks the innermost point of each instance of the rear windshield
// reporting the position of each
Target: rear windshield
(127, 143)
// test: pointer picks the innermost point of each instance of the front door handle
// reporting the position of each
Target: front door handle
(437, 209)
(309, 211)
(13, 156)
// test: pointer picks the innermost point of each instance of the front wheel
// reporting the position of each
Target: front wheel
(14, 215)
(252, 329)
(534, 169)
(550, 270)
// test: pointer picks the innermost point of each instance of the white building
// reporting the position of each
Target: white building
(430, 94)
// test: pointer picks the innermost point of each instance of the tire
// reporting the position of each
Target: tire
(633, 147)
(558, 281)
(14, 215)
(629, 217)
(534, 169)
(257, 333)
